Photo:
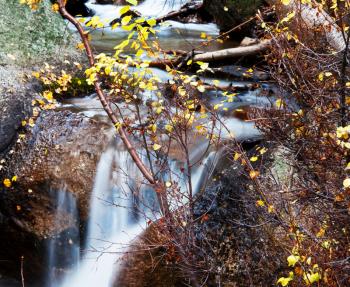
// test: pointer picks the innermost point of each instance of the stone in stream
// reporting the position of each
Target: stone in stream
(232, 245)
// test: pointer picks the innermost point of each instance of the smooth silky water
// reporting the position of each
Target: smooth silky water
(121, 202)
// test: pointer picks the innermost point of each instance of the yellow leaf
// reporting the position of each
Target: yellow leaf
(254, 174)
(254, 158)
(36, 74)
(347, 166)
(260, 203)
(14, 178)
(124, 10)
(156, 147)
(237, 156)
(262, 151)
(284, 281)
(285, 2)
(7, 182)
(169, 128)
(126, 20)
(55, 7)
(133, 2)
(279, 103)
(152, 22)
(346, 183)
(321, 76)
(292, 260)
(311, 278)
(270, 209)
(201, 88)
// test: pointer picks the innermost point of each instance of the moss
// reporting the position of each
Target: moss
(31, 36)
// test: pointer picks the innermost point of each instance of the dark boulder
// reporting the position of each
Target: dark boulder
(63, 148)
(230, 13)
(78, 7)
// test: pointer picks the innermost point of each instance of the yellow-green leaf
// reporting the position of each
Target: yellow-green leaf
(292, 260)
(156, 147)
(133, 2)
(346, 183)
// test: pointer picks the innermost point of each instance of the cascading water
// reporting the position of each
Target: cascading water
(64, 246)
(118, 197)
(112, 224)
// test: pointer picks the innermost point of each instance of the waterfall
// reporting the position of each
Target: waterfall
(64, 245)
(112, 224)
(118, 198)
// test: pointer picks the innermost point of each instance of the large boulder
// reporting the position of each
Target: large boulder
(234, 244)
(230, 13)
(60, 153)
(78, 7)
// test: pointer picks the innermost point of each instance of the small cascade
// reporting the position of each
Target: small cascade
(120, 206)
(63, 247)
(148, 8)
(112, 224)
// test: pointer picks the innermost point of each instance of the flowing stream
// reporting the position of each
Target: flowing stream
(120, 200)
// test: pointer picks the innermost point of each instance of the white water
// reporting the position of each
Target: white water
(149, 8)
(111, 226)
(64, 246)
(172, 34)
(112, 222)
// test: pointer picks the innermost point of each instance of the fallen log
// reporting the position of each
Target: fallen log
(233, 52)
(316, 17)
(241, 51)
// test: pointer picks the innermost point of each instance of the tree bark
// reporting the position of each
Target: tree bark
(316, 18)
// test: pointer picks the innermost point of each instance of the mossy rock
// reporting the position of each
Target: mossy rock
(32, 36)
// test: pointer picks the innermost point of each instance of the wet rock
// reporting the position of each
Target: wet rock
(234, 243)
(233, 236)
(146, 263)
(15, 104)
(247, 41)
(230, 13)
(60, 153)
(78, 7)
